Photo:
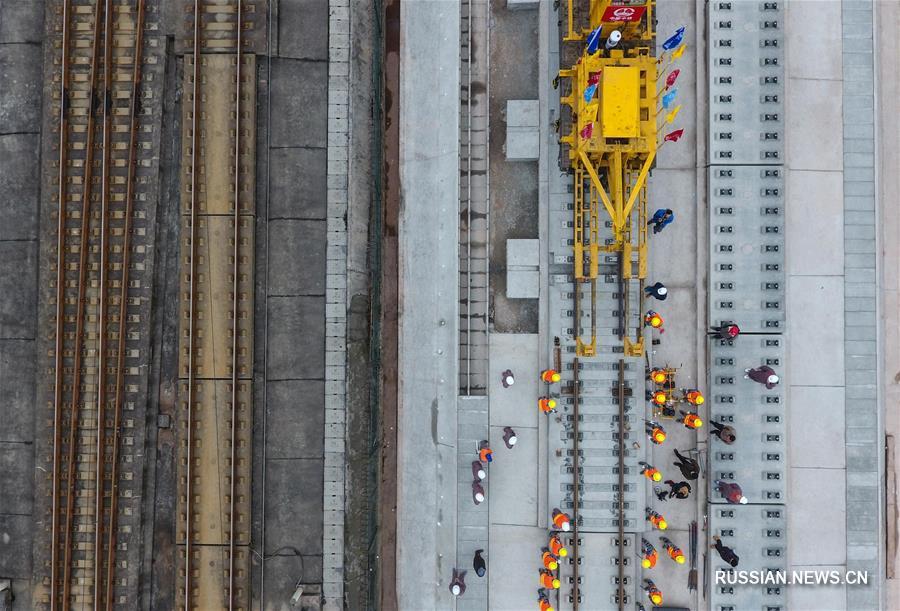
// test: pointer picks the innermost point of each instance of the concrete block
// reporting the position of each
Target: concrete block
(817, 413)
(514, 478)
(298, 184)
(21, 22)
(862, 457)
(17, 390)
(522, 284)
(515, 406)
(522, 130)
(20, 97)
(816, 355)
(523, 252)
(297, 265)
(297, 350)
(812, 104)
(303, 29)
(16, 482)
(19, 186)
(815, 227)
(513, 548)
(294, 505)
(18, 285)
(295, 419)
(522, 113)
(819, 492)
(15, 546)
(522, 145)
(299, 111)
(815, 39)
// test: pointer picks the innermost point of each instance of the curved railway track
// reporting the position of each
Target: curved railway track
(100, 63)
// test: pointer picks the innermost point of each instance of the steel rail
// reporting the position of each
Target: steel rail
(621, 496)
(576, 484)
(192, 264)
(234, 303)
(79, 321)
(133, 109)
(60, 299)
(468, 4)
(100, 467)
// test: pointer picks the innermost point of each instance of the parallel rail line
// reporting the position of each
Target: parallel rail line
(93, 258)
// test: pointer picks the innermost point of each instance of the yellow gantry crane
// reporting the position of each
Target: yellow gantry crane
(611, 148)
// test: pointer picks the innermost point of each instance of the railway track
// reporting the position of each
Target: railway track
(474, 291)
(216, 352)
(100, 237)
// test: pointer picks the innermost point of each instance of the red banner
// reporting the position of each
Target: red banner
(614, 13)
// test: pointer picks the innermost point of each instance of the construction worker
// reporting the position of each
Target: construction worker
(547, 405)
(655, 432)
(690, 420)
(763, 375)
(549, 561)
(657, 291)
(548, 580)
(561, 521)
(656, 519)
(458, 583)
(732, 492)
(649, 556)
(544, 604)
(725, 553)
(725, 331)
(509, 437)
(507, 378)
(657, 376)
(485, 454)
(693, 396)
(689, 467)
(657, 397)
(556, 546)
(478, 471)
(680, 490)
(477, 492)
(653, 593)
(550, 376)
(478, 563)
(661, 218)
(653, 319)
(650, 472)
(724, 432)
(673, 550)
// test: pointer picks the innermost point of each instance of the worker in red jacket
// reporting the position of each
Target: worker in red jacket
(732, 492)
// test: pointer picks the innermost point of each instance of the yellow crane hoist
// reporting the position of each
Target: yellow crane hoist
(611, 147)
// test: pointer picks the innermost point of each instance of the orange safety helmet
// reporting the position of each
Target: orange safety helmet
(656, 596)
(547, 404)
(549, 561)
(657, 520)
(548, 580)
(659, 397)
(657, 435)
(693, 421)
(694, 397)
(653, 319)
(649, 560)
(557, 547)
(652, 473)
(658, 376)
(545, 605)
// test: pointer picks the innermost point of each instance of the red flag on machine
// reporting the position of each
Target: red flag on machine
(673, 76)
(674, 136)
(587, 131)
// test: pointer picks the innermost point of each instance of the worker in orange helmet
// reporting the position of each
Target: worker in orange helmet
(655, 432)
(561, 521)
(549, 561)
(547, 405)
(550, 376)
(485, 454)
(673, 550)
(654, 320)
(548, 580)
(544, 604)
(650, 472)
(656, 519)
(690, 420)
(657, 376)
(556, 546)
(693, 396)
(649, 555)
(657, 396)
(653, 593)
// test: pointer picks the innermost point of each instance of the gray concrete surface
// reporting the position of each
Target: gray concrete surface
(427, 421)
